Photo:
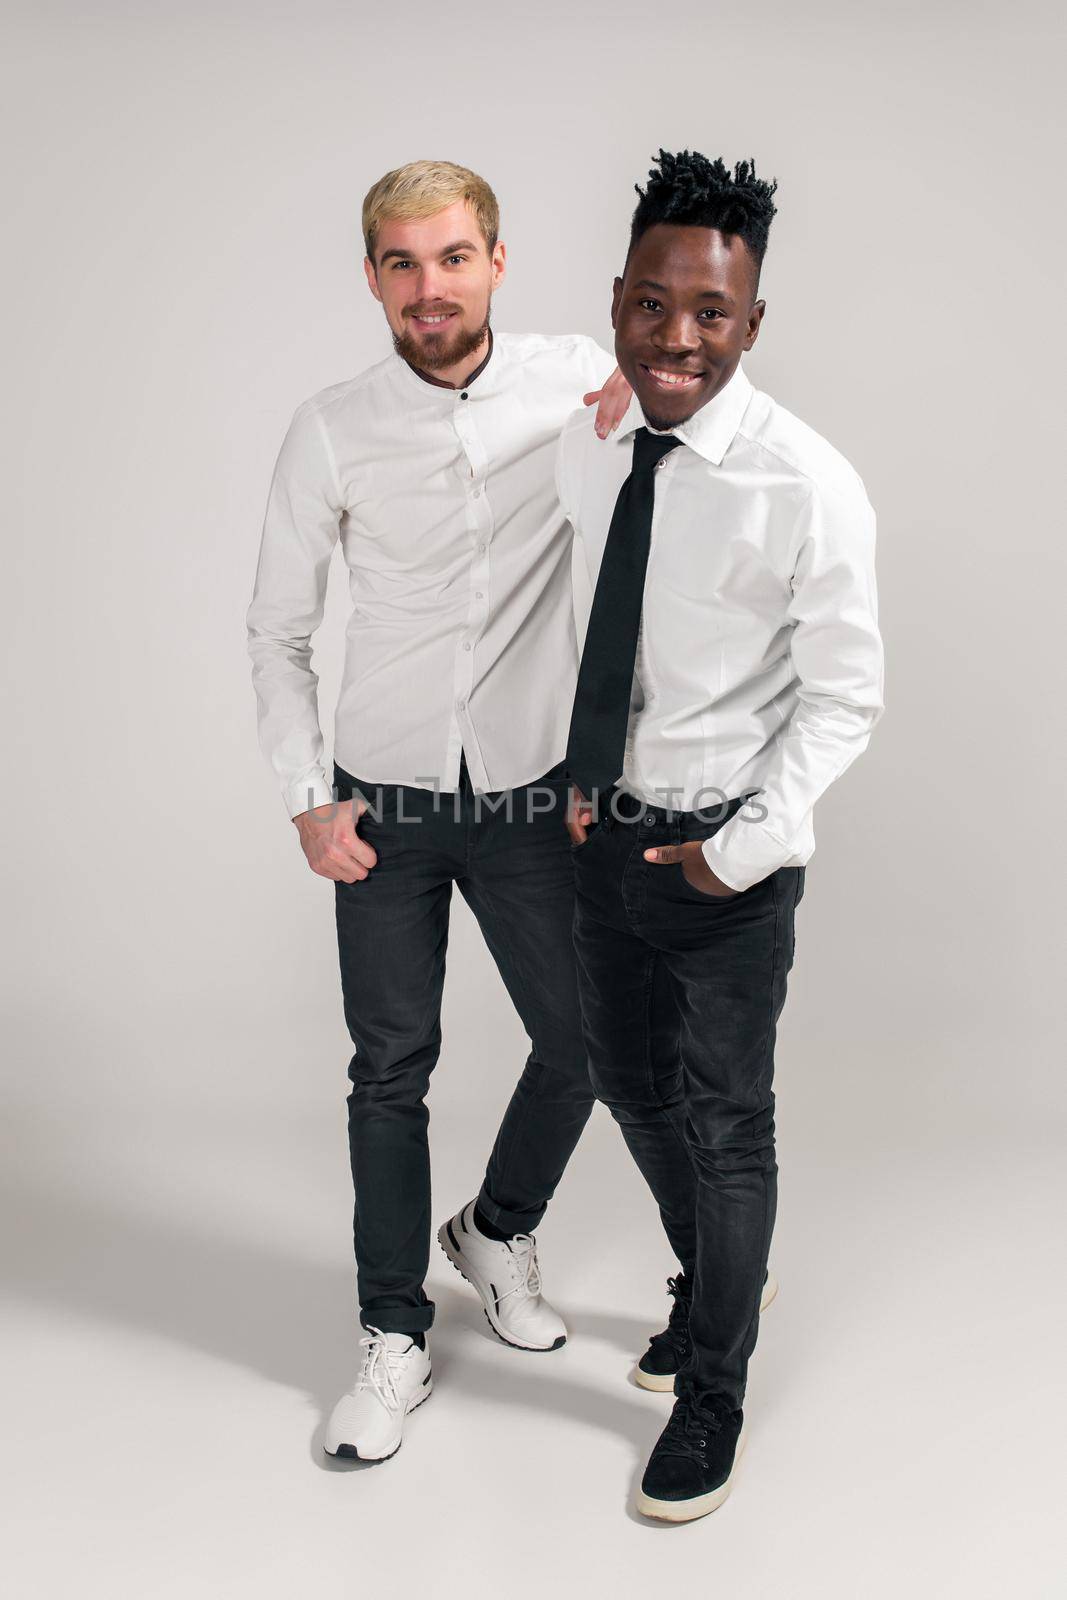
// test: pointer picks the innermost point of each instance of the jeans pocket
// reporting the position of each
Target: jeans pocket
(380, 801)
(701, 895)
(577, 846)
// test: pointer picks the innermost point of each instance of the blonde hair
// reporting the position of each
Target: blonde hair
(423, 188)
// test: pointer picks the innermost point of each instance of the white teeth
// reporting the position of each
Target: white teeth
(674, 377)
(434, 319)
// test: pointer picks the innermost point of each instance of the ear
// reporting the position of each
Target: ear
(616, 296)
(499, 262)
(372, 278)
(755, 317)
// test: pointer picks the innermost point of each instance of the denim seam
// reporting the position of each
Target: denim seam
(649, 981)
(753, 1320)
(775, 888)
(650, 1077)
(493, 1210)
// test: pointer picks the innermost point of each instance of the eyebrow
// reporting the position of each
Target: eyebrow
(705, 294)
(449, 249)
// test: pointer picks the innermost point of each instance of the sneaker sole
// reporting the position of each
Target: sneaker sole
(699, 1506)
(453, 1251)
(663, 1382)
(654, 1382)
(348, 1452)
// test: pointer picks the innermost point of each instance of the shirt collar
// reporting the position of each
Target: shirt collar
(709, 431)
(428, 377)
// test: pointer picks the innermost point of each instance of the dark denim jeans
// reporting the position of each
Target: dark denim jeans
(511, 862)
(690, 1090)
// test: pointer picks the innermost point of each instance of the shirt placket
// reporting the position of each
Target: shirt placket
(480, 529)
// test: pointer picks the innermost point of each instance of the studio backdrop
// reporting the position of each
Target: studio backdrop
(183, 266)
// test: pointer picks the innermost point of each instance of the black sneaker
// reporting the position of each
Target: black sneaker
(690, 1471)
(668, 1351)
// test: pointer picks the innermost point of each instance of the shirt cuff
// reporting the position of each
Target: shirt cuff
(743, 853)
(307, 792)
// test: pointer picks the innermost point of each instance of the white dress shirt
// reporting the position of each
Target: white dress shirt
(461, 636)
(759, 662)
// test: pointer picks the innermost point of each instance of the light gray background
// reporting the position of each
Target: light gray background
(183, 266)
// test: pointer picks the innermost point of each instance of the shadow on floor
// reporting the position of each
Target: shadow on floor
(293, 1319)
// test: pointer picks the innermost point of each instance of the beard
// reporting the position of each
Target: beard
(434, 352)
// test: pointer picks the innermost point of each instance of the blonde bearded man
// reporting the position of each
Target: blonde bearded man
(435, 470)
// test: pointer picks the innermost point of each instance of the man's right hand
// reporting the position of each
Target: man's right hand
(329, 840)
(579, 816)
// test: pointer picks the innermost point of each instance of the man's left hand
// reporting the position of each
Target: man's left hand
(614, 402)
(694, 867)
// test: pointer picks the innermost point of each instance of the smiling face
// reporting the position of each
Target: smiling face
(435, 277)
(684, 313)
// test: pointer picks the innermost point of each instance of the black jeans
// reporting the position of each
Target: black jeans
(690, 1090)
(509, 855)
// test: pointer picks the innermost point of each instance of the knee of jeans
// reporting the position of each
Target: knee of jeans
(729, 1150)
(387, 1076)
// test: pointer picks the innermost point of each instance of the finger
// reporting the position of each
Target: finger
(362, 851)
(340, 872)
(579, 808)
(663, 853)
(354, 875)
(608, 411)
(612, 414)
(591, 398)
(346, 856)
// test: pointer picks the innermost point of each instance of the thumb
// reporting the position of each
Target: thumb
(663, 854)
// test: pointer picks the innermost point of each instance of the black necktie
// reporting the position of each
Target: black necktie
(597, 742)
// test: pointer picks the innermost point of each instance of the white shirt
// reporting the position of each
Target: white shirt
(759, 661)
(462, 635)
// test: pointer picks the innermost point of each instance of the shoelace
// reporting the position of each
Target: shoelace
(676, 1333)
(378, 1370)
(526, 1268)
(692, 1419)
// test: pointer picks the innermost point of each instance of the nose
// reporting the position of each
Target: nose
(431, 283)
(676, 332)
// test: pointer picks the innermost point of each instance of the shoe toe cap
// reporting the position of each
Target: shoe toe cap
(539, 1326)
(670, 1477)
(658, 1363)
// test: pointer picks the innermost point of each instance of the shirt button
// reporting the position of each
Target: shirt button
(481, 549)
(466, 647)
(478, 595)
(464, 395)
(477, 492)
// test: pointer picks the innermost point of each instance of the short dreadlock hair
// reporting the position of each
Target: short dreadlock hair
(693, 191)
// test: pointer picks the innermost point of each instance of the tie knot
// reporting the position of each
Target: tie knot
(650, 448)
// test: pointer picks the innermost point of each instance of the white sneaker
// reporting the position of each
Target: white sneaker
(507, 1278)
(367, 1423)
